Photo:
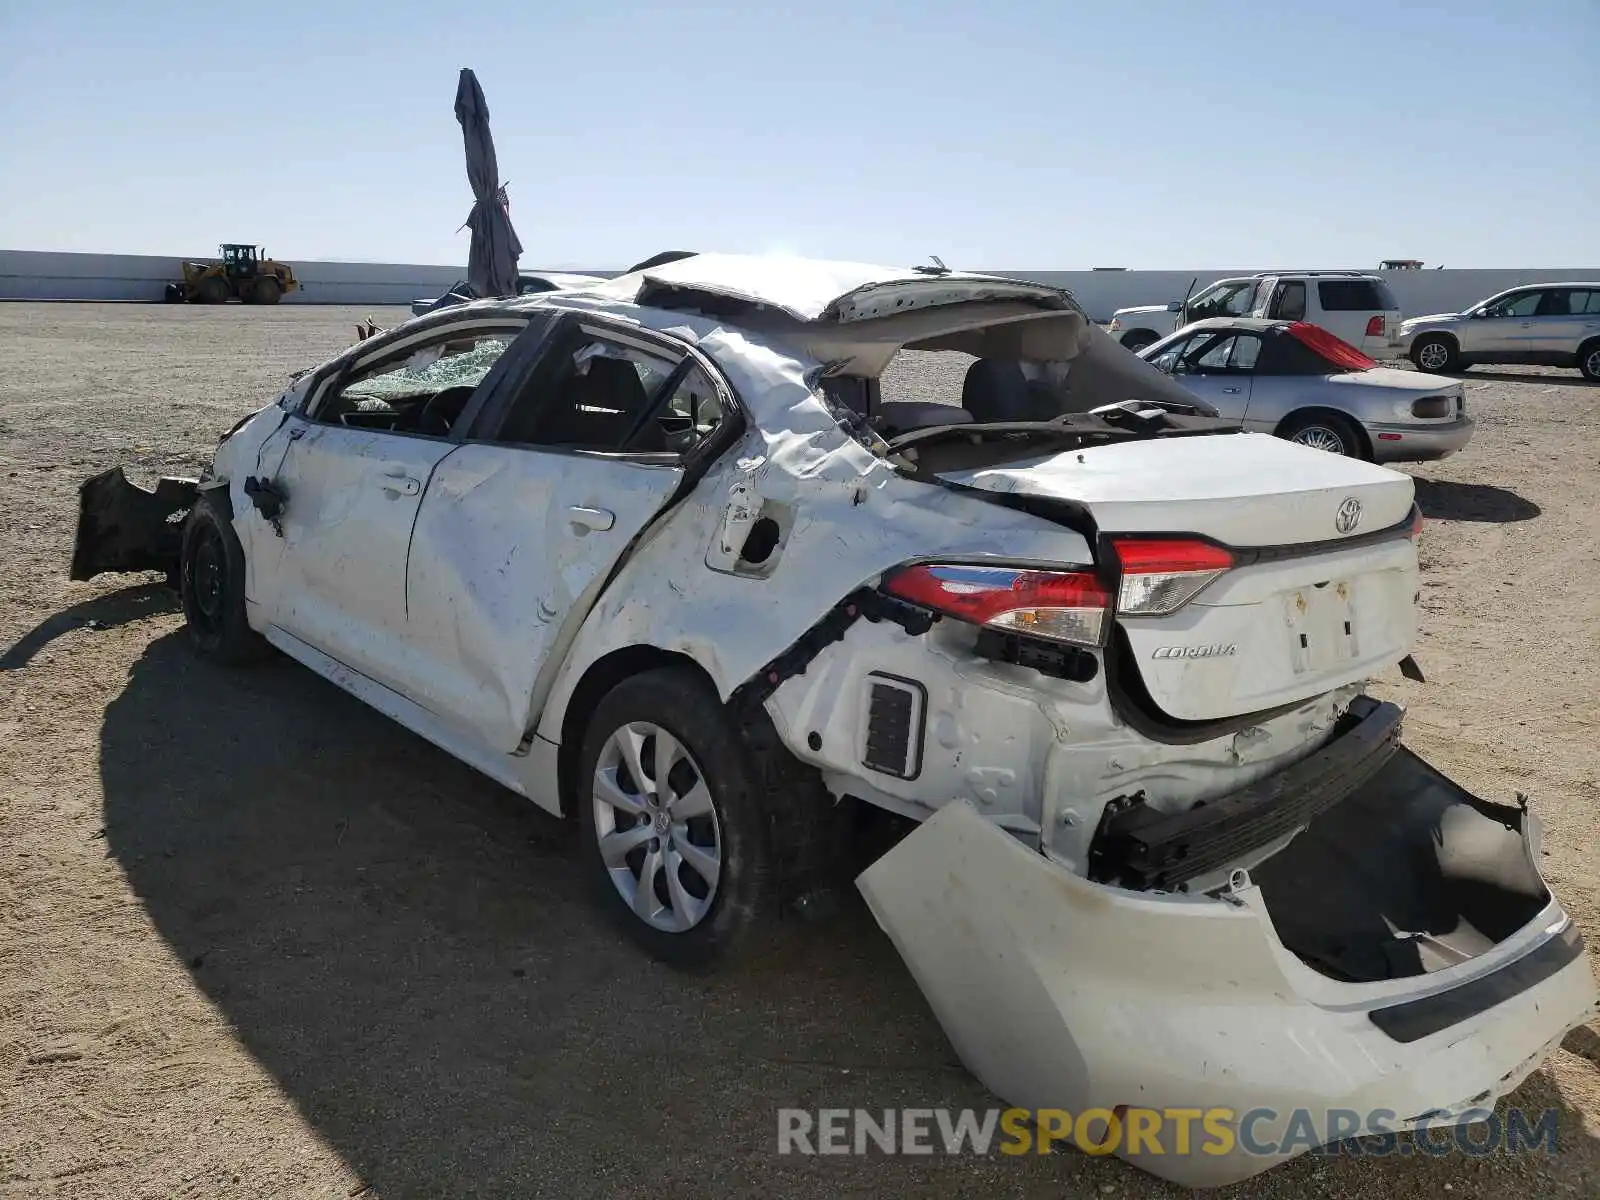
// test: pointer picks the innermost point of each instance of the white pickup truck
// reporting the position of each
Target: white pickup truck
(1358, 308)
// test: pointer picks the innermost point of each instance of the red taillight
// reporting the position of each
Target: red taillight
(1063, 606)
(1170, 554)
(1375, 327)
(1161, 575)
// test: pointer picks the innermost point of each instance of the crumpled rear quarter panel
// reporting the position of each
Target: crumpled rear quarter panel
(854, 518)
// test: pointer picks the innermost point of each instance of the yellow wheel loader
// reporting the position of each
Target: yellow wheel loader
(241, 275)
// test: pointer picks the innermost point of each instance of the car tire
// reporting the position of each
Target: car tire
(1436, 353)
(1589, 360)
(212, 291)
(267, 290)
(1136, 340)
(711, 829)
(1324, 431)
(211, 574)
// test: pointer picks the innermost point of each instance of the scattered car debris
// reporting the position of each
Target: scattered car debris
(125, 528)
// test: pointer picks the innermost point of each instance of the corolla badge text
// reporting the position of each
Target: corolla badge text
(1215, 651)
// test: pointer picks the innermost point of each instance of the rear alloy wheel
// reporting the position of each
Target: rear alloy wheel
(1589, 361)
(1435, 352)
(671, 804)
(1323, 431)
(656, 826)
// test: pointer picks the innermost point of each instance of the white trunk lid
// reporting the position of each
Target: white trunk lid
(1311, 603)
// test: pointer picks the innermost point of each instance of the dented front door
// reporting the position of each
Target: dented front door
(336, 578)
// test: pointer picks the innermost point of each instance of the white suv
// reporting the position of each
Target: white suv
(657, 556)
(1360, 309)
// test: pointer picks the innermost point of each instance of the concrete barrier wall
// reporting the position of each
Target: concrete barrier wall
(46, 275)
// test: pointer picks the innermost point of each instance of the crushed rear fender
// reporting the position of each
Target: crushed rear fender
(122, 527)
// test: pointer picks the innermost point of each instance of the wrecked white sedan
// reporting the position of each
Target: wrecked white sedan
(661, 555)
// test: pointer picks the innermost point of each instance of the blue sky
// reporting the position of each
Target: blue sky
(999, 134)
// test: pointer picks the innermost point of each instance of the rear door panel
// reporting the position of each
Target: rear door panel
(1560, 332)
(511, 544)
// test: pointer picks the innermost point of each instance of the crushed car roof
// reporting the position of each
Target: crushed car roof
(810, 289)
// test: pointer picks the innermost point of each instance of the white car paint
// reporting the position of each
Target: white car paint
(1260, 296)
(527, 284)
(806, 287)
(513, 593)
(1240, 490)
(1059, 994)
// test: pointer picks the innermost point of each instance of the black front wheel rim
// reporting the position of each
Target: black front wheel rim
(207, 578)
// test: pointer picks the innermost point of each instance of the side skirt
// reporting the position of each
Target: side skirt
(532, 774)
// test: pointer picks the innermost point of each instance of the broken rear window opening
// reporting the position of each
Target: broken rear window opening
(1042, 385)
(926, 453)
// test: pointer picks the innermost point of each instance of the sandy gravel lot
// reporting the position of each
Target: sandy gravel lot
(255, 940)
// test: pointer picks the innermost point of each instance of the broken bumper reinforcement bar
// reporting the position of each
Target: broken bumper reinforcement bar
(1139, 847)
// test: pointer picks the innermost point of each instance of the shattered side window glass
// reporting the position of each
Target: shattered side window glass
(431, 369)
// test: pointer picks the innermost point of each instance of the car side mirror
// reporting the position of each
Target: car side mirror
(1175, 306)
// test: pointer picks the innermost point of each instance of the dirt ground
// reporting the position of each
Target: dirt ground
(256, 940)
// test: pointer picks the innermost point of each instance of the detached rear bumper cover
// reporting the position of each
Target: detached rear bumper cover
(1060, 993)
(125, 528)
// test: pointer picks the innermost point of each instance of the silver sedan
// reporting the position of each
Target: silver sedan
(1302, 383)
